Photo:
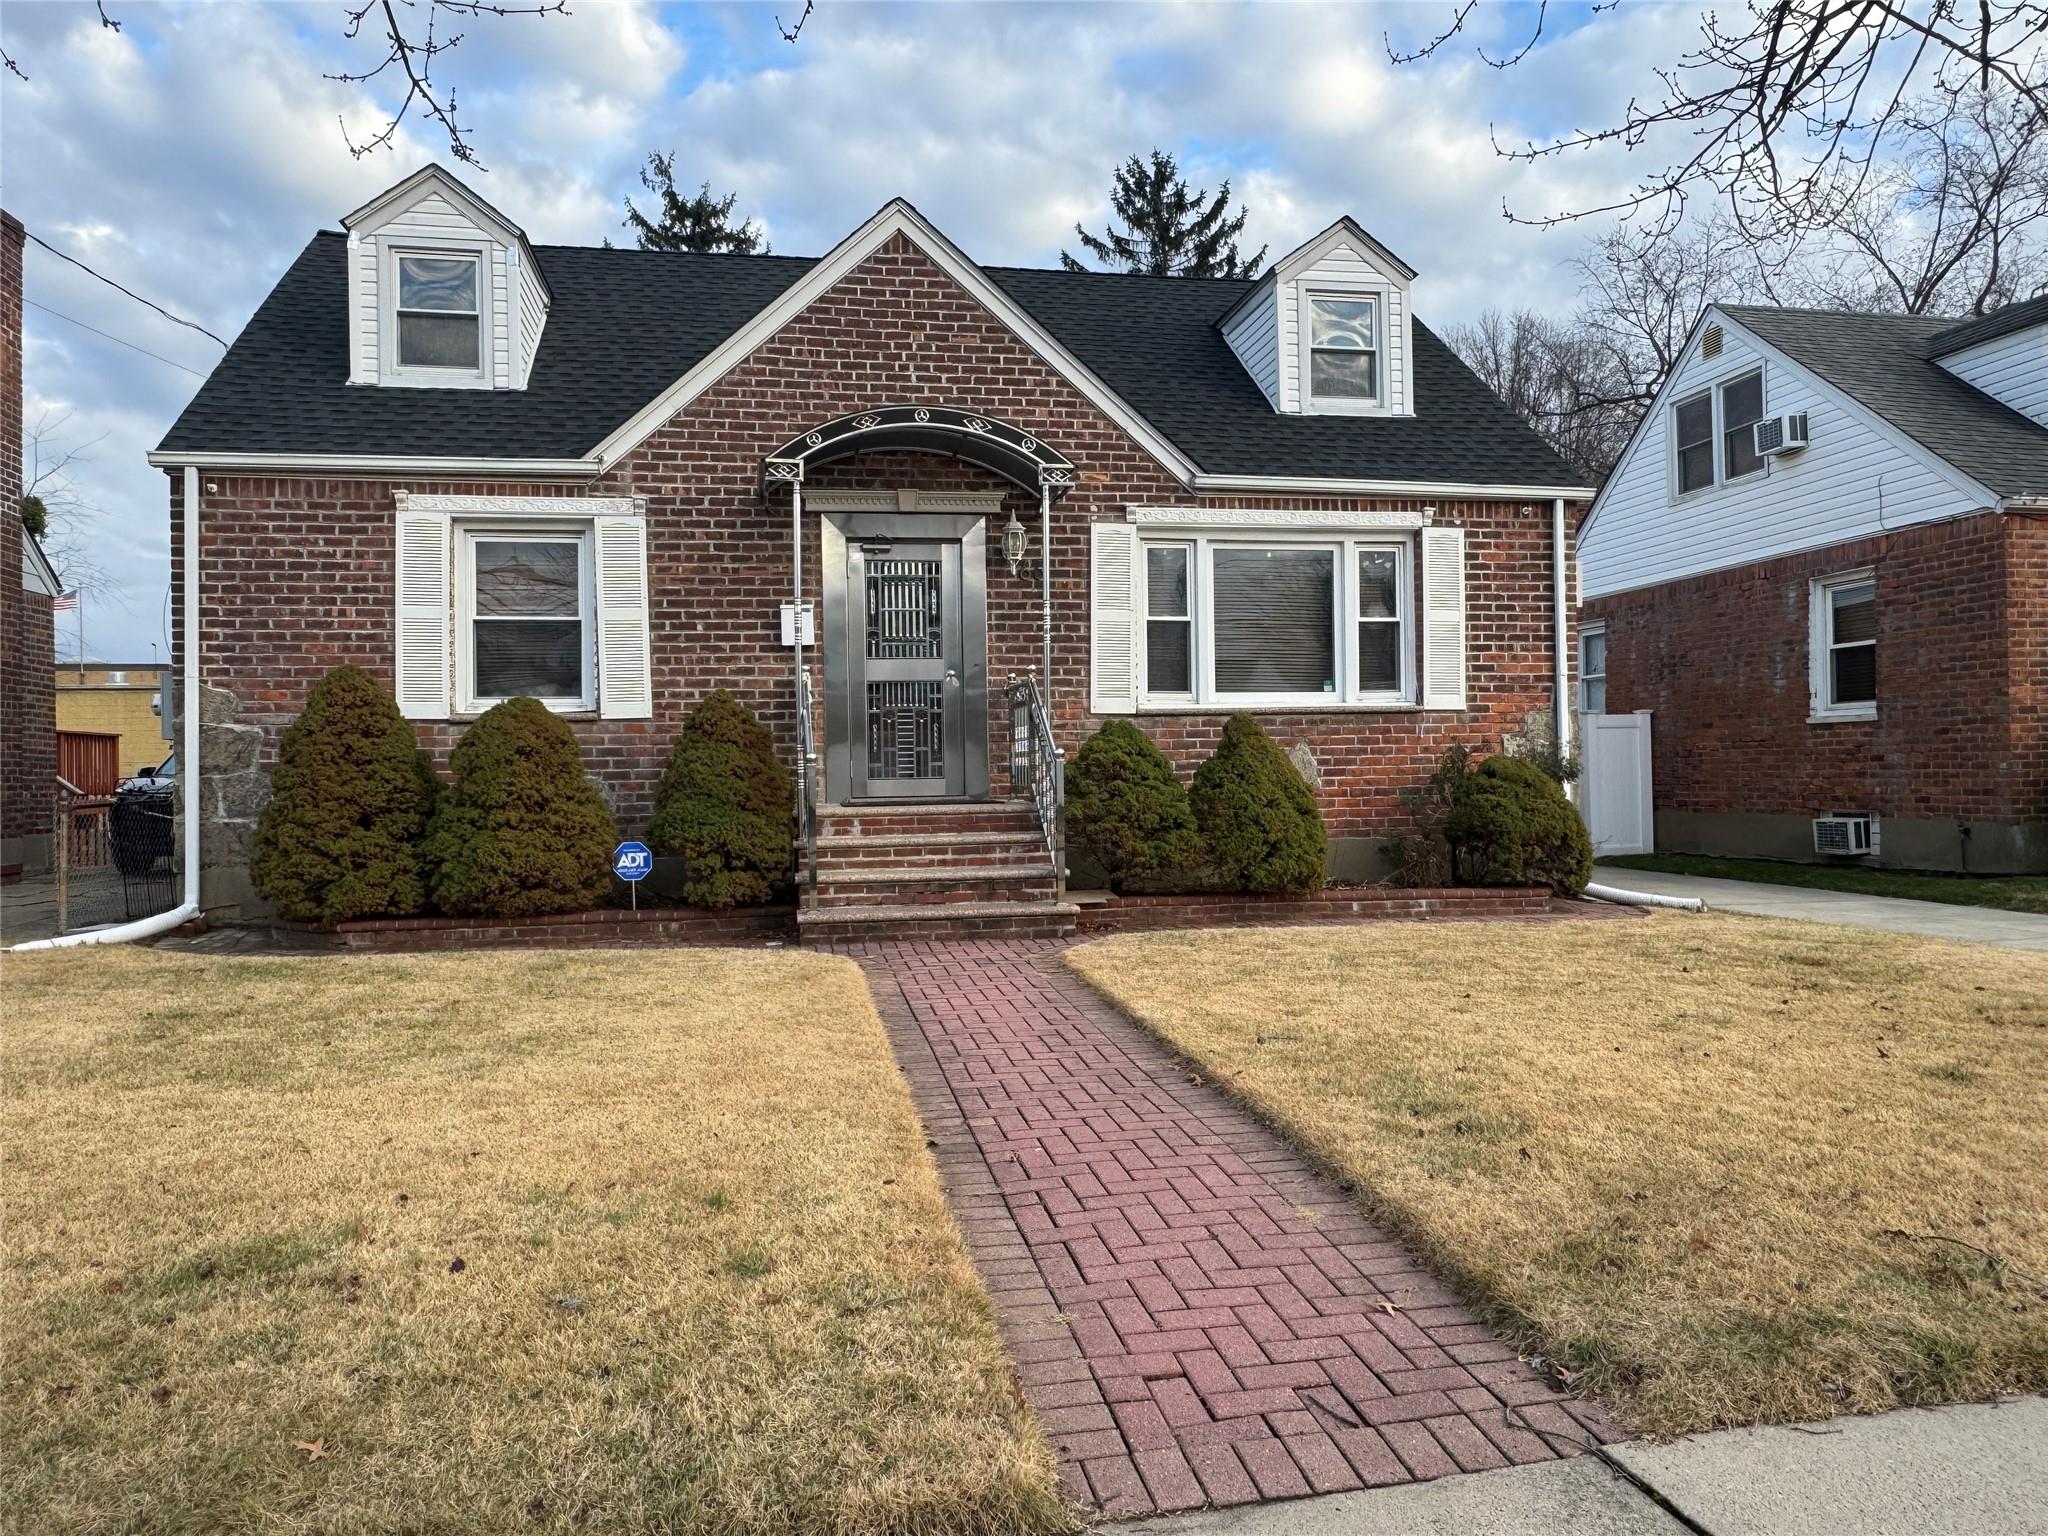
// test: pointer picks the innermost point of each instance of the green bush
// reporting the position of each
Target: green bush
(1125, 808)
(726, 807)
(522, 831)
(1510, 824)
(1257, 817)
(341, 835)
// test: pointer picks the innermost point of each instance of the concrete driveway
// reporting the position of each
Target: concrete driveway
(1934, 919)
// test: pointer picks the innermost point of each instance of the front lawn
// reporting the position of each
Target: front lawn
(509, 1242)
(2014, 893)
(1732, 1170)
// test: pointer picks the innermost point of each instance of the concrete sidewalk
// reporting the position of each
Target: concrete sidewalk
(1972, 1470)
(1934, 919)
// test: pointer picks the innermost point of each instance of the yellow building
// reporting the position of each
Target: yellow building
(109, 700)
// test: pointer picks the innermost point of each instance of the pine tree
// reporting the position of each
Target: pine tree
(1169, 229)
(700, 223)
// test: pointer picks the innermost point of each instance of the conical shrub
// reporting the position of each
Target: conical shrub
(1257, 816)
(522, 831)
(349, 806)
(1125, 808)
(725, 806)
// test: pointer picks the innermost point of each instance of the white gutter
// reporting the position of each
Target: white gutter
(188, 762)
(1561, 620)
(1623, 898)
(383, 464)
(1298, 485)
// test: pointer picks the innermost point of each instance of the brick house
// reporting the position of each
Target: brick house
(615, 479)
(1823, 565)
(28, 729)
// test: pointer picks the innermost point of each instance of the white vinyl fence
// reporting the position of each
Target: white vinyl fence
(1614, 782)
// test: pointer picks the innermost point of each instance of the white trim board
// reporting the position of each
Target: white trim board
(523, 506)
(1269, 517)
(1309, 485)
(896, 217)
(378, 464)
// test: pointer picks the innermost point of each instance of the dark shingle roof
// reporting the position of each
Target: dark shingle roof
(1885, 363)
(626, 324)
(2000, 322)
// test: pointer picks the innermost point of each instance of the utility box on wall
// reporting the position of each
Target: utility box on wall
(791, 614)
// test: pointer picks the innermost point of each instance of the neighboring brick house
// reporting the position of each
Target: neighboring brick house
(479, 467)
(28, 730)
(1856, 627)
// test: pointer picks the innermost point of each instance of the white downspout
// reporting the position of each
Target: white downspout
(1045, 592)
(188, 764)
(1561, 633)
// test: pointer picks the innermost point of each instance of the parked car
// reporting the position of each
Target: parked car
(139, 824)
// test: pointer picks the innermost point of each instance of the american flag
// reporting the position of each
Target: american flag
(64, 602)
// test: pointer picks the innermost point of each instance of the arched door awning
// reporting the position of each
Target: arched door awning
(979, 439)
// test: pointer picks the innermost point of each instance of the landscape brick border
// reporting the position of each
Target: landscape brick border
(656, 926)
(1125, 914)
(620, 927)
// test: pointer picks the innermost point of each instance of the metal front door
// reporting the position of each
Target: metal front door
(905, 643)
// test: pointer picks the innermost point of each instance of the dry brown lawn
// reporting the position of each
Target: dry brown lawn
(1675, 1153)
(532, 1242)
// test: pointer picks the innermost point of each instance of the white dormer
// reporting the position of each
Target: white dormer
(1328, 330)
(443, 290)
(2010, 364)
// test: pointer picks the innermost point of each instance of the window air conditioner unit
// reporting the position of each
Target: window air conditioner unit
(1780, 434)
(1842, 836)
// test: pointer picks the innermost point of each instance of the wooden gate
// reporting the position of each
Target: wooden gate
(1614, 782)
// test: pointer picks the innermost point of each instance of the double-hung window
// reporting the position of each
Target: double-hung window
(1343, 349)
(1239, 622)
(439, 316)
(1593, 668)
(527, 617)
(1844, 646)
(1169, 621)
(1742, 406)
(1692, 430)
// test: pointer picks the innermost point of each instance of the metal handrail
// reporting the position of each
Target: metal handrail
(807, 786)
(1038, 770)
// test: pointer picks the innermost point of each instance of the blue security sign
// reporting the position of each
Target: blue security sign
(632, 861)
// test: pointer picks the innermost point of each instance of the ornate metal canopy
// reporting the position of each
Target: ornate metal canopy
(1009, 451)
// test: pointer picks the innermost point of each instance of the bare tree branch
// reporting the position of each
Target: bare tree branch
(414, 53)
(791, 34)
(1768, 113)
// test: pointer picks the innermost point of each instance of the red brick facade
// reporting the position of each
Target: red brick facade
(1956, 763)
(28, 699)
(297, 572)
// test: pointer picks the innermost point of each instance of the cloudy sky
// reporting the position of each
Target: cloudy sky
(191, 155)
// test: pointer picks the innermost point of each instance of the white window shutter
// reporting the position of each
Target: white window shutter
(1113, 625)
(625, 667)
(425, 615)
(1443, 618)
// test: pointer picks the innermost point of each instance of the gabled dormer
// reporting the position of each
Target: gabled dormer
(443, 290)
(2004, 353)
(1327, 331)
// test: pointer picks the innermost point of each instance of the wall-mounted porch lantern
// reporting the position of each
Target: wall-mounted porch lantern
(1015, 542)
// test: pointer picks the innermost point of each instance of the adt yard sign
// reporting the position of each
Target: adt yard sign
(632, 862)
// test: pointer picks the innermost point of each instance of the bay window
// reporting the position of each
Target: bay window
(1278, 622)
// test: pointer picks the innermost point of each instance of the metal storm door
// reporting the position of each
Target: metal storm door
(906, 702)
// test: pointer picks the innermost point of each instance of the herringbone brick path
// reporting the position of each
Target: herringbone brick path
(1197, 1317)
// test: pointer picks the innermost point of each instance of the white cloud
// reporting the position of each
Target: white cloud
(192, 154)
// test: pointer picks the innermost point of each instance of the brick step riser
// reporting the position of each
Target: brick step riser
(923, 824)
(1048, 927)
(903, 855)
(891, 893)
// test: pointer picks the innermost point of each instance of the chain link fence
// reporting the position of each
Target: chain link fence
(114, 860)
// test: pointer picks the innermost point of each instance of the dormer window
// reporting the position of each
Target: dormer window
(1344, 349)
(439, 322)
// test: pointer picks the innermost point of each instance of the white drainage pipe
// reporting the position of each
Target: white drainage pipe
(1623, 898)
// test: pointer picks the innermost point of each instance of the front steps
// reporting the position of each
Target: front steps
(903, 871)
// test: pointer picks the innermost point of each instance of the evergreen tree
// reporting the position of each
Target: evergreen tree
(1169, 230)
(699, 223)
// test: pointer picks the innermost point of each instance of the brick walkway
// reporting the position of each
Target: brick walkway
(1196, 1316)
